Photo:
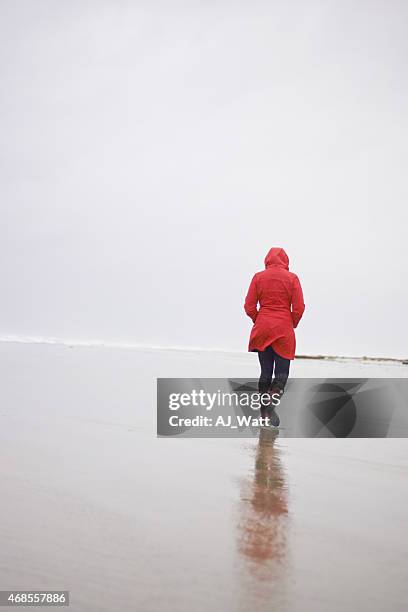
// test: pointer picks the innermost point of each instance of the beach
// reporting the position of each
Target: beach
(94, 503)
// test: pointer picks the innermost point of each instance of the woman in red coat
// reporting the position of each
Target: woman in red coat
(280, 297)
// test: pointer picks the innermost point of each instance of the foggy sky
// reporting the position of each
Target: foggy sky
(153, 152)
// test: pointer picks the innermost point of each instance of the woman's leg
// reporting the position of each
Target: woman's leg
(266, 359)
(282, 366)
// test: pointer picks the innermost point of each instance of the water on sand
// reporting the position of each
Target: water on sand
(93, 502)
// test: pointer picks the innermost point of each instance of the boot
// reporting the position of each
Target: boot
(276, 388)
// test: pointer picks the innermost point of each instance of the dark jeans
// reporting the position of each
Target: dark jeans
(268, 359)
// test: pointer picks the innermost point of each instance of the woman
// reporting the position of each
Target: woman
(280, 296)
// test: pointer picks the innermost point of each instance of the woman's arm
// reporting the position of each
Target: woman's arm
(251, 300)
(298, 305)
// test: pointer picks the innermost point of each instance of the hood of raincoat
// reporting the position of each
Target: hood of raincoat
(277, 257)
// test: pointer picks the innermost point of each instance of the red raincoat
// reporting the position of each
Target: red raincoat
(280, 296)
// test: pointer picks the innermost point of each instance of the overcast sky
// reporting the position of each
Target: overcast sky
(152, 153)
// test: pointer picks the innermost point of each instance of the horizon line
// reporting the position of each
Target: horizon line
(133, 345)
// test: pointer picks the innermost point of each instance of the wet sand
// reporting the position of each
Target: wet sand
(94, 503)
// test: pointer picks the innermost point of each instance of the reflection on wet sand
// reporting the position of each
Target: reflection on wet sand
(263, 526)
